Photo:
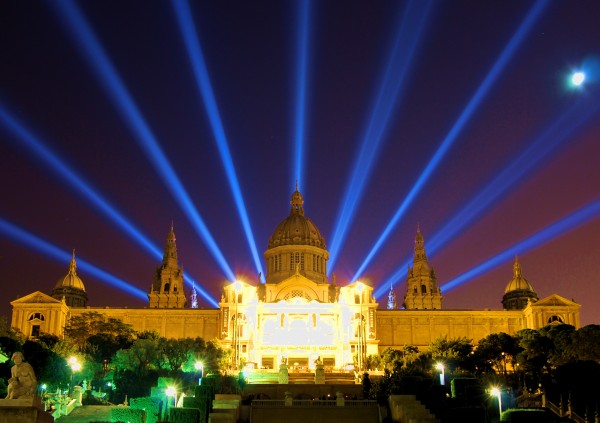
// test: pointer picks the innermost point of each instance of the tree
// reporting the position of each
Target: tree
(496, 353)
(79, 328)
(586, 343)
(452, 352)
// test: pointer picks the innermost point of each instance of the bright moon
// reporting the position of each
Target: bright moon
(578, 78)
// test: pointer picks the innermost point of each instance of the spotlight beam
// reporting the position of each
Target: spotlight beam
(394, 79)
(104, 70)
(78, 182)
(302, 43)
(31, 241)
(546, 143)
(543, 146)
(456, 129)
(574, 220)
(190, 37)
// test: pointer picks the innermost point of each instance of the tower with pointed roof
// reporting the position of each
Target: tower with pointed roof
(71, 288)
(422, 290)
(518, 291)
(167, 290)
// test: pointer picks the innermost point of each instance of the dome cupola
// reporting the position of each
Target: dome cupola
(296, 247)
(71, 288)
(296, 229)
(518, 291)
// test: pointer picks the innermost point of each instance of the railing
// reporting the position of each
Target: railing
(569, 413)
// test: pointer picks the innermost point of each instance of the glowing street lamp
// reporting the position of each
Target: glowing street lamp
(498, 393)
(200, 368)
(75, 366)
(440, 367)
(171, 392)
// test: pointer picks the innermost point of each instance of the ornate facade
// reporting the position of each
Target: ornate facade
(299, 316)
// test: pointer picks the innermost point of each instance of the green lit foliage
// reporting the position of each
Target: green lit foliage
(143, 355)
(453, 353)
(81, 327)
(152, 406)
(184, 415)
(126, 414)
(48, 366)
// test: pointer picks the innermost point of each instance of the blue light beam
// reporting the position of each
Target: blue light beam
(407, 39)
(464, 118)
(302, 45)
(546, 143)
(31, 241)
(568, 223)
(190, 37)
(59, 166)
(101, 66)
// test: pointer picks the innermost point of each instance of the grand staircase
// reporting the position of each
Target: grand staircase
(407, 409)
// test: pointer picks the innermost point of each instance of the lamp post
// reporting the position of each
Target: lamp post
(170, 392)
(360, 289)
(200, 368)
(75, 366)
(498, 393)
(237, 288)
(440, 367)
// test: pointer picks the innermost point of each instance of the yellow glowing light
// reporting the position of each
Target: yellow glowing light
(237, 287)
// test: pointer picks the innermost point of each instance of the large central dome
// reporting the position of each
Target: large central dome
(296, 229)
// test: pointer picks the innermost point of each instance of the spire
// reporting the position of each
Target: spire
(194, 295)
(170, 255)
(517, 268)
(391, 305)
(420, 254)
(73, 265)
(297, 203)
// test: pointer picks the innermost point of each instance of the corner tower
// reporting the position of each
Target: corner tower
(296, 246)
(167, 289)
(71, 287)
(422, 290)
(518, 291)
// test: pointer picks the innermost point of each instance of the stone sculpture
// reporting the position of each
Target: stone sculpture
(23, 382)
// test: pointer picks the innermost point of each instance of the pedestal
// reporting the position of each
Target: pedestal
(24, 410)
(284, 377)
(319, 374)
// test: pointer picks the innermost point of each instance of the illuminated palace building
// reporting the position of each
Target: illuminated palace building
(299, 315)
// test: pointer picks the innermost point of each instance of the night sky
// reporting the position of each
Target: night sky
(251, 52)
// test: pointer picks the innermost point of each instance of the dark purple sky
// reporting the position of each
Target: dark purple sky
(250, 52)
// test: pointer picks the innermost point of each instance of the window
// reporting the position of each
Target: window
(38, 316)
(555, 319)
